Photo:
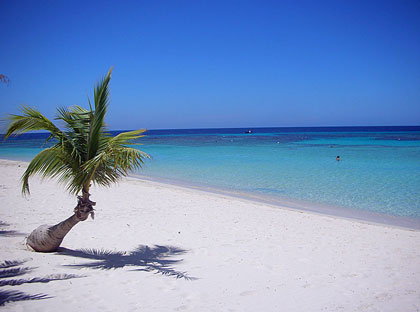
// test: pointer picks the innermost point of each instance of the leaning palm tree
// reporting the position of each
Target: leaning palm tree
(84, 153)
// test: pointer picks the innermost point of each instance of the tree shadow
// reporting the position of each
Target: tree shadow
(12, 268)
(8, 233)
(14, 295)
(11, 233)
(144, 258)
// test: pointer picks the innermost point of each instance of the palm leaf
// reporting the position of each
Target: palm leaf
(30, 120)
(50, 162)
(101, 95)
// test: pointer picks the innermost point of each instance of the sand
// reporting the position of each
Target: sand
(158, 247)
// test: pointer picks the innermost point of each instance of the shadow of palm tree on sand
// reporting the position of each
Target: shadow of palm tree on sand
(155, 259)
(12, 269)
(8, 233)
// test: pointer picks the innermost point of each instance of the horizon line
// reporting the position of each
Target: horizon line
(268, 127)
(250, 128)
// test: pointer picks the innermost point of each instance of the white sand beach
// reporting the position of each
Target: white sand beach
(158, 247)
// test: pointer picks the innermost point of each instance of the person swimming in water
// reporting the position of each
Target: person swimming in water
(337, 158)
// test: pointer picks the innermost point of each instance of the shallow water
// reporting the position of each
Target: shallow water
(379, 170)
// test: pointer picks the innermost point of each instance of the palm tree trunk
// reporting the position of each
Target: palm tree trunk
(48, 238)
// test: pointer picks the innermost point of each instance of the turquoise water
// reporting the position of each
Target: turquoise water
(379, 171)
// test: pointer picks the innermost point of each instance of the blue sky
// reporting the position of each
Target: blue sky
(202, 64)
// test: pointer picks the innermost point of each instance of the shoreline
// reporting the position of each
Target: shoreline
(350, 214)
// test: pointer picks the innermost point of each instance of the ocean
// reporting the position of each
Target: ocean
(377, 177)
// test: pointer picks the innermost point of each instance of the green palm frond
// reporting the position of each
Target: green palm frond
(127, 138)
(84, 153)
(116, 156)
(76, 122)
(30, 120)
(97, 124)
(50, 162)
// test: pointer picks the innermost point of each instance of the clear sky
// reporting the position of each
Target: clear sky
(203, 64)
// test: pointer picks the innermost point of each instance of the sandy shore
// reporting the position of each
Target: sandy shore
(156, 247)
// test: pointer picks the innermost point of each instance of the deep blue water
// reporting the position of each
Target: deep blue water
(379, 170)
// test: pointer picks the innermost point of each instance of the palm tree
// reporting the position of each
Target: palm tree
(4, 79)
(84, 153)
